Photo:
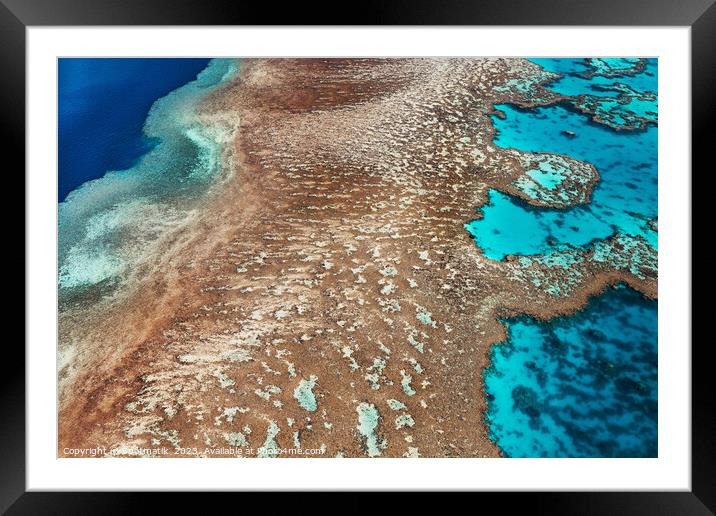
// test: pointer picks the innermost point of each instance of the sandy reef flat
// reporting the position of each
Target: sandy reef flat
(324, 294)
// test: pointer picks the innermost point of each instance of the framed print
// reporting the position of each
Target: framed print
(450, 252)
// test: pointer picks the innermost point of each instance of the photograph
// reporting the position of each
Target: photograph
(421, 248)
(357, 257)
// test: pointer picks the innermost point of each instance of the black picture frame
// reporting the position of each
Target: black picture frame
(700, 15)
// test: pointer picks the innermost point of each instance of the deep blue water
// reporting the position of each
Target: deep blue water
(102, 107)
(136, 158)
(583, 385)
(578, 386)
(623, 201)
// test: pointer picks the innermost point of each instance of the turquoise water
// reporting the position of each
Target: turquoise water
(578, 386)
(573, 83)
(583, 385)
(623, 201)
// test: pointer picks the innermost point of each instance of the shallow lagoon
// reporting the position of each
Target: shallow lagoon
(578, 386)
(573, 83)
(583, 385)
(623, 201)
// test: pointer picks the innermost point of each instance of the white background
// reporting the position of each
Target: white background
(670, 471)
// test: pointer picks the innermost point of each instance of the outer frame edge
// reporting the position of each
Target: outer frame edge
(12, 59)
(12, 137)
(703, 99)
